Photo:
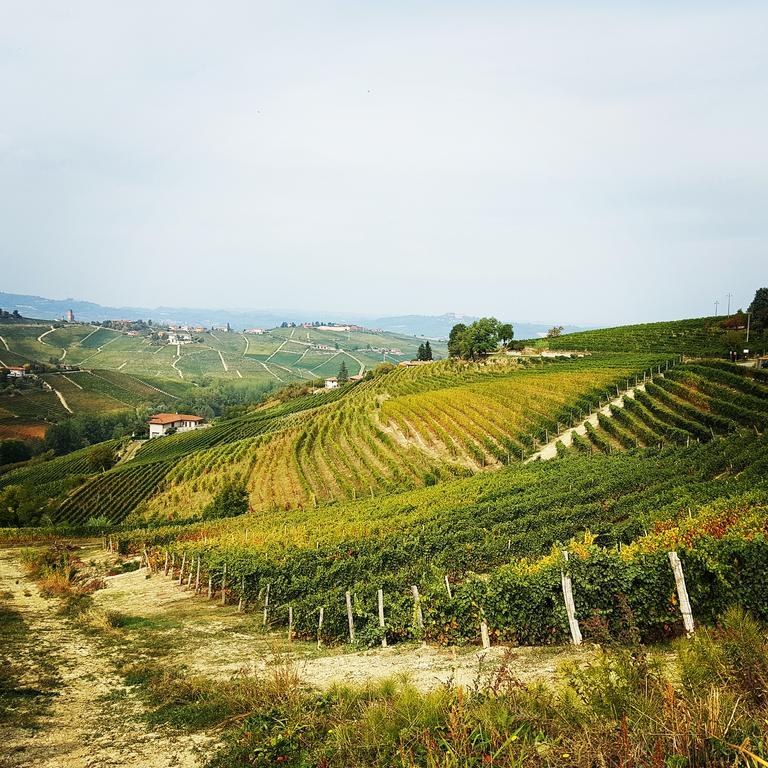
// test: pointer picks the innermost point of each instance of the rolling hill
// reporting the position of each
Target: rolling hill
(697, 337)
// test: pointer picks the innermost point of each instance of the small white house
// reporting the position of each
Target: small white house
(256, 331)
(17, 372)
(331, 382)
(162, 423)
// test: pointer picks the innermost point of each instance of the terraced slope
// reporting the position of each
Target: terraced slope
(689, 403)
(698, 337)
(406, 428)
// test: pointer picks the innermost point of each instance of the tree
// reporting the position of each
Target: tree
(343, 375)
(477, 340)
(555, 331)
(420, 354)
(759, 308)
(13, 451)
(455, 339)
(506, 333)
(101, 457)
(230, 501)
(427, 351)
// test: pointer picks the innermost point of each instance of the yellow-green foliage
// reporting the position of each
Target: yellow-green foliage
(409, 428)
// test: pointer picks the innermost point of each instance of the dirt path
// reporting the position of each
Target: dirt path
(63, 401)
(92, 720)
(5, 344)
(549, 451)
(43, 335)
(218, 641)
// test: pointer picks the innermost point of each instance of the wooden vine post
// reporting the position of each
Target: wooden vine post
(448, 587)
(381, 619)
(266, 607)
(682, 592)
(165, 567)
(417, 607)
(197, 576)
(242, 595)
(290, 623)
(224, 585)
(181, 570)
(484, 635)
(350, 617)
(320, 627)
(570, 606)
(210, 587)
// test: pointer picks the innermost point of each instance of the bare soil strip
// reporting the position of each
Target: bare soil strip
(88, 718)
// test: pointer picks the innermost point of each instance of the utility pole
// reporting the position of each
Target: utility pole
(729, 304)
(717, 304)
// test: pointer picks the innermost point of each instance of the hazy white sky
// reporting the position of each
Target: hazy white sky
(576, 162)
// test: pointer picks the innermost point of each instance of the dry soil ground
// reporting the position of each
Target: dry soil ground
(85, 715)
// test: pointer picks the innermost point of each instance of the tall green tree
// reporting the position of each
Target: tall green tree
(420, 353)
(343, 375)
(479, 339)
(427, 351)
(759, 308)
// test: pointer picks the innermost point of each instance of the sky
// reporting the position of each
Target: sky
(574, 162)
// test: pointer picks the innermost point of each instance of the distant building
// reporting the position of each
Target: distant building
(331, 382)
(70, 316)
(343, 328)
(256, 331)
(163, 423)
(357, 377)
(17, 372)
(179, 338)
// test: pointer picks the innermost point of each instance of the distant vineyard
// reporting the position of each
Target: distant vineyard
(700, 337)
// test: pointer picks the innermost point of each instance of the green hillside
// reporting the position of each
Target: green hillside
(400, 429)
(698, 337)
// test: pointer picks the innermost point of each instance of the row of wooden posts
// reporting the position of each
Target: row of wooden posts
(537, 444)
(566, 584)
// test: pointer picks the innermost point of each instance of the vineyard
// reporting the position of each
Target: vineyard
(691, 402)
(404, 429)
(700, 337)
(703, 499)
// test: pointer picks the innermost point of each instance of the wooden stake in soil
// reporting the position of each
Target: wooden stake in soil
(224, 586)
(320, 627)
(173, 564)
(682, 592)
(484, 636)
(448, 587)
(210, 587)
(290, 623)
(146, 557)
(570, 606)
(165, 567)
(242, 595)
(350, 618)
(197, 576)
(417, 607)
(181, 571)
(381, 619)
(266, 606)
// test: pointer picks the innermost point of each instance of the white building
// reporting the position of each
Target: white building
(162, 423)
(17, 372)
(179, 338)
(256, 331)
(331, 382)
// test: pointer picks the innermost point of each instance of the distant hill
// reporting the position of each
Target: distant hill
(429, 326)
(697, 337)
